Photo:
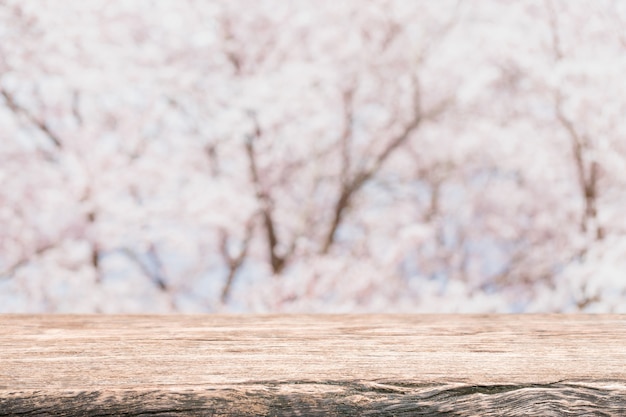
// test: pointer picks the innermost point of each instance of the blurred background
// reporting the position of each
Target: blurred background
(312, 156)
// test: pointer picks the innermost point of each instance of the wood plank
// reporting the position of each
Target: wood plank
(281, 365)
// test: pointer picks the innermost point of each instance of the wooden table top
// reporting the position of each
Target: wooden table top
(313, 365)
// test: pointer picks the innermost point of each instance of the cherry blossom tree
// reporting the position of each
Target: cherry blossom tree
(387, 155)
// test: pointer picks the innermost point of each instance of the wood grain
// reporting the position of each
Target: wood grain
(318, 365)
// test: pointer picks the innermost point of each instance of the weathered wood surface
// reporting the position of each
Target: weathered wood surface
(352, 365)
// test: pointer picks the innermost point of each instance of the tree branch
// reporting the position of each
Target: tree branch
(346, 135)
(554, 30)
(11, 270)
(354, 185)
(39, 124)
(76, 107)
(277, 261)
(234, 262)
(155, 273)
(587, 176)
